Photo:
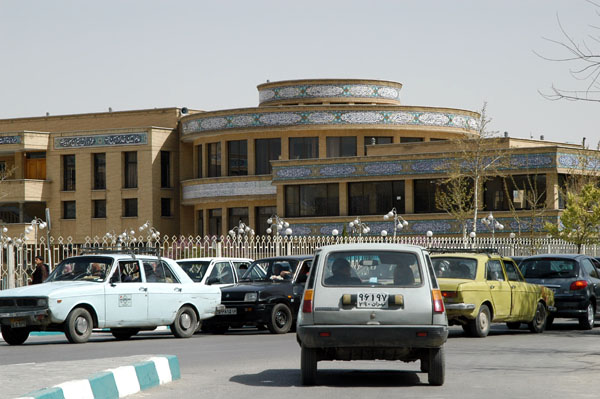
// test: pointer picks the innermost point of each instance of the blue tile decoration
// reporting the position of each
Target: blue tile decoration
(363, 168)
(10, 139)
(572, 161)
(101, 140)
(329, 90)
(208, 121)
(226, 189)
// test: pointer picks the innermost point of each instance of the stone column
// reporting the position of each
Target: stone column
(552, 190)
(409, 196)
(343, 198)
(250, 157)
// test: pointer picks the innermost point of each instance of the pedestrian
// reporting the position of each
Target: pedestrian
(40, 274)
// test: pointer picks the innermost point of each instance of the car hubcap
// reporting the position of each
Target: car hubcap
(483, 322)
(281, 318)
(185, 320)
(590, 314)
(81, 325)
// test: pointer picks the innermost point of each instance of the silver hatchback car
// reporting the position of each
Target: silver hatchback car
(369, 302)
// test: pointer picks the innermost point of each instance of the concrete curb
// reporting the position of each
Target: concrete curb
(115, 383)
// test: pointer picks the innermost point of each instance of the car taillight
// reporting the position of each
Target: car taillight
(438, 302)
(449, 294)
(578, 285)
(308, 299)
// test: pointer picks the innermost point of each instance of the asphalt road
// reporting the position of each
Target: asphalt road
(561, 363)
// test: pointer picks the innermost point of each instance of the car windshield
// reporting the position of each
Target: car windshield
(374, 268)
(87, 268)
(195, 269)
(271, 270)
(453, 267)
(548, 268)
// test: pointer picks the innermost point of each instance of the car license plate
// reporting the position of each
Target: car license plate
(17, 323)
(372, 300)
(226, 311)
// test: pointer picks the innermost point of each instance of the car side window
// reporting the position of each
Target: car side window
(511, 271)
(597, 266)
(241, 267)
(168, 273)
(589, 267)
(222, 272)
(130, 272)
(154, 272)
(303, 272)
(493, 271)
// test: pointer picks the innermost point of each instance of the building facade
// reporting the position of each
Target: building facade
(318, 153)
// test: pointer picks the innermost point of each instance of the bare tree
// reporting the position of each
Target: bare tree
(455, 196)
(4, 175)
(584, 56)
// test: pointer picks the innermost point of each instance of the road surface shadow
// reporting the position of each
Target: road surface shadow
(333, 378)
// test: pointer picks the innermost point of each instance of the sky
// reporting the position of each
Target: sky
(70, 57)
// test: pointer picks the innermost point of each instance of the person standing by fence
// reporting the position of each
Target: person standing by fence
(40, 274)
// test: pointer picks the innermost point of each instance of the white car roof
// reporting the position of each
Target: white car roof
(208, 259)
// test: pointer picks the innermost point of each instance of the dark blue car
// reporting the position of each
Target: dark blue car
(575, 280)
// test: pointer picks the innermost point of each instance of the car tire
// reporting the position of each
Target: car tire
(122, 334)
(513, 325)
(480, 327)
(78, 326)
(280, 321)
(587, 322)
(185, 323)
(15, 336)
(538, 324)
(308, 365)
(437, 367)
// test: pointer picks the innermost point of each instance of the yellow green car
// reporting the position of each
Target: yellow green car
(484, 288)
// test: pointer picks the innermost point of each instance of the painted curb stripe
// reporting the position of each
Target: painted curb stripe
(115, 383)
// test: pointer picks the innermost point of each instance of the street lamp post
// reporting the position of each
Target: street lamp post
(356, 226)
(429, 236)
(240, 230)
(278, 224)
(151, 232)
(492, 224)
(399, 222)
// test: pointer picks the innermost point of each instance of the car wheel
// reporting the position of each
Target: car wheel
(538, 324)
(122, 334)
(15, 336)
(280, 321)
(308, 365)
(587, 322)
(480, 327)
(513, 325)
(78, 326)
(185, 323)
(437, 367)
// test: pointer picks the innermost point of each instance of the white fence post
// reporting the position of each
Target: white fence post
(10, 260)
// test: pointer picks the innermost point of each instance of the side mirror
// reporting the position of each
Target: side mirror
(212, 280)
(114, 279)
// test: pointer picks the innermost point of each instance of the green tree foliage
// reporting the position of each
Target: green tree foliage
(580, 221)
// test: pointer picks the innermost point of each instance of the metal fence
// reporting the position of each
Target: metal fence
(16, 262)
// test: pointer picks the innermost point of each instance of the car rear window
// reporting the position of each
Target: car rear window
(374, 268)
(453, 267)
(195, 269)
(549, 268)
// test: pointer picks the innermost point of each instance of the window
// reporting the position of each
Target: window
(237, 215)
(237, 157)
(304, 147)
(214, 222)
(131, 176)
(214, 159)
(222, 272)
(589, 268)
(130, 207)
(200, 222)
(69, 210)
(262, 214)
(266, 150)
(165, 207)
(511, 272)
(2, 166)
(341, 147)
(494, 271)
(411, 139)
(372, 140)
(312, 200)
(375, 198)
(424, 195)
(522, 191)
(100, 171)
(165, 169)
(68, 172)
(199, 161)
(99, 207)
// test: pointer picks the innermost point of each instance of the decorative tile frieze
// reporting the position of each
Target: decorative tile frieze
(341, 91)
(101, 140)
(10, 140)
(272, 118)
(578, 161)
(337, 170)
(232, 189)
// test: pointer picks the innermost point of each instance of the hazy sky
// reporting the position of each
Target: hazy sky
(67, 57)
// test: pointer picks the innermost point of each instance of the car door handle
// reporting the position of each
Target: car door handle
(491, 287)
(513, 286)
(177, 289)
(143, 289)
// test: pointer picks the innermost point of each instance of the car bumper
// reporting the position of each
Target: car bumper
(352, 336)
(247, 313)
(570, 306)
(460, 306)
(27, 318)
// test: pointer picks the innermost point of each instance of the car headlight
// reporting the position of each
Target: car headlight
(42, 302)
(251, 297)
